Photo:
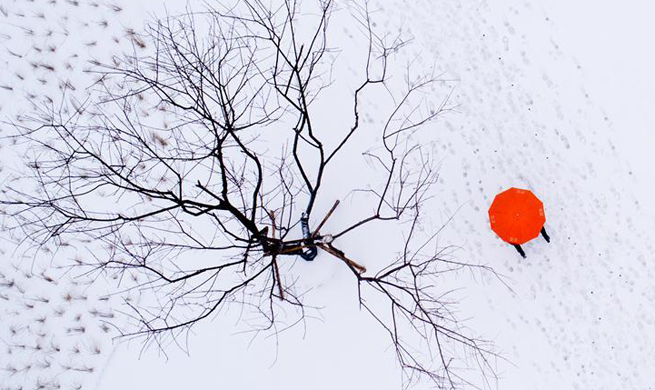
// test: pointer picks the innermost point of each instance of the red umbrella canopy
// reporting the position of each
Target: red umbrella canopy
(517, 216)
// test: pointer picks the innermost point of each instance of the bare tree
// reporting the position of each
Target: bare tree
(199, 166)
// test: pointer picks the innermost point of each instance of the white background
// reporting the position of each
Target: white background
(554, 96)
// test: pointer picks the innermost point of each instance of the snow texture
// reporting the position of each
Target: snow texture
(556, 98)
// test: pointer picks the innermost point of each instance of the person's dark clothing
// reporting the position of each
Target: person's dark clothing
(543, 233)
(520, 250)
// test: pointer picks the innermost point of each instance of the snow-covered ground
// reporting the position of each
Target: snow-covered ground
(551, 96)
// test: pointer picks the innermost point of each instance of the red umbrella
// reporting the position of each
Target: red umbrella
(517, 216)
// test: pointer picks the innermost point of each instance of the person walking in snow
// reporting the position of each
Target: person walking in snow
(517, 216)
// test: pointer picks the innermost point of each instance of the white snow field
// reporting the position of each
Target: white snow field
(552, 96)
